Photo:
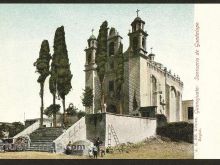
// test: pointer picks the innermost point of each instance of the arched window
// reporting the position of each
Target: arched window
(143, 42)
(173, 105)
(135, 104)
(133, 28)
(89, 58)
(135, 43)
(177, 106)
(111, 49)
(154, 90)
(111, 108)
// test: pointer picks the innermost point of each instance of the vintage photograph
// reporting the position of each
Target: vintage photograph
(97, 81)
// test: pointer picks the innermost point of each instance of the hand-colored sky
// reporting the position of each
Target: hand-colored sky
(24, 26)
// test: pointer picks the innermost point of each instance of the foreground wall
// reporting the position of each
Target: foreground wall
(75, 133)
(95, 126)
(127, 128)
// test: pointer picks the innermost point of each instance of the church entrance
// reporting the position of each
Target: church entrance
(111, 108)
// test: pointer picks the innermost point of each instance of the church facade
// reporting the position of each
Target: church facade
(148, 87)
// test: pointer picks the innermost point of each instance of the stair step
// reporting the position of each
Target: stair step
(41, 142)
(37, 145)
(42, 139)
(40, 150)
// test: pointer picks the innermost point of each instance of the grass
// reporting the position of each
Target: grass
(151, 149)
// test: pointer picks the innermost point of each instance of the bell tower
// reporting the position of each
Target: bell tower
(138, 36)
(91, 51)
(90, 67)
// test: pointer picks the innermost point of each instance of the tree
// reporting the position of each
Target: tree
(119, 75)
(101, 56)
(81, 114)
(3, 128)
(71, 110)
(42, 66)
(53, 109)
(63, 73)
(16, 128)
(87, 99)
(53, 75)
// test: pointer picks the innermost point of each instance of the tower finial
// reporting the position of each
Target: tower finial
(151, 49)
(137, 12)
(92, 31)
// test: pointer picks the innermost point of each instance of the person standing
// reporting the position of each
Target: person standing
(95, 151)
(97, 144)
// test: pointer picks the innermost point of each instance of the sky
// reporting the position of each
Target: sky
(24, 26)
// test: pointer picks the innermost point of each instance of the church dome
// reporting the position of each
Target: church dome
(92, 37)
(137, 19)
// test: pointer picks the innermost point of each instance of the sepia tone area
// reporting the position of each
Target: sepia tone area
(133, 104)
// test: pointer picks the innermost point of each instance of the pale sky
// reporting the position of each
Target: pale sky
(24, 26)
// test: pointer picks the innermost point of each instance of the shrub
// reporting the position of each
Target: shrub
(161, 120)
(177, 131)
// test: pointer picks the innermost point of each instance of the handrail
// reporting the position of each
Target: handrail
(29, 129)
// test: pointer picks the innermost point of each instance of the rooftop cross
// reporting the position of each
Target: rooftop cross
(92, 31)
(151, 49)
(137, 12)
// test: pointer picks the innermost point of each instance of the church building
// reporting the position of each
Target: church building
(148, 88)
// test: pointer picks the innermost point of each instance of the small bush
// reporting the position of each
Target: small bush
(161, 120)
(177, 131)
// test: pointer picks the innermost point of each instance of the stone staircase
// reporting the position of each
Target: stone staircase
(42, 139)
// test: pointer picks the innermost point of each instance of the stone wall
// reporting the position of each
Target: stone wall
(95, 126)
(97, 93)
(166, 84)
(126, 87)
(129, 128)
(133, 82)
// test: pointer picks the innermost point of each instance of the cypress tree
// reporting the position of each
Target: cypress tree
(42, 66)
(101, 56)
(63, 73)
(119, 75)
(87, 99)
(53, 76)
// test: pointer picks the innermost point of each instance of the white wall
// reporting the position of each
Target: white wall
(76, 132)
(130, 129)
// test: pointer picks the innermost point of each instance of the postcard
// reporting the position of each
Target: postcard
(109, 81)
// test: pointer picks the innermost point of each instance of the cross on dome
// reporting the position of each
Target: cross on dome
(137, 12)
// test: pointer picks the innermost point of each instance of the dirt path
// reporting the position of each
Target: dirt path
(155, 149)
